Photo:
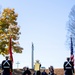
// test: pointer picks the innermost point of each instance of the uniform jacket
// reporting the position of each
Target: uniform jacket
(7, 65)
(68, 67)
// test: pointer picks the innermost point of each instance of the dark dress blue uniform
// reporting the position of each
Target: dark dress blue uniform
(68, 67)
(6, 67)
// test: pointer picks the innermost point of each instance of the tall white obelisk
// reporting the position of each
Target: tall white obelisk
(32, 55)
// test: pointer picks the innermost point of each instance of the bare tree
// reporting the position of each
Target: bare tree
(71, 25)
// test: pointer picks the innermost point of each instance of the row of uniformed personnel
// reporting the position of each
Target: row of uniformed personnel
(7, 67)
(68, 67)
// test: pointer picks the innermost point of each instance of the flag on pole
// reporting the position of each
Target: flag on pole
(72, 51)
(10, 52)
(10, 49)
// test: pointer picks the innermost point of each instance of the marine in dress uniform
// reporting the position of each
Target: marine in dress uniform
(6, 66)
(68, 67)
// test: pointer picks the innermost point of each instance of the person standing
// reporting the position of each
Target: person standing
(27, 72)
(37, 67)
(44, 72)
(24, 69)
(68, 67)
(51, 69)
(38, 72)
(6, 66)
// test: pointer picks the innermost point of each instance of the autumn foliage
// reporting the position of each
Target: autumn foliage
(9, 27)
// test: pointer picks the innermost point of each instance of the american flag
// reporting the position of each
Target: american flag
(72, 51)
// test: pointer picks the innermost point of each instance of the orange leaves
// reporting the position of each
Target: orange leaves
(8, 26)
(9, 15)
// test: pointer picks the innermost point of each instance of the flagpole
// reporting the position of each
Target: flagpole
(72, 50)
(10, 44)
(10, 48)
